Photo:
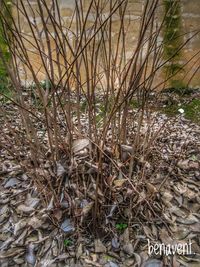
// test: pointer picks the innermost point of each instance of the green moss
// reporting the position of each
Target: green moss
(181, 91)
(177, 85)
(100, 113)
(4, 79)
(121, 226)
(191, 110)
(84, 105)
(68, 242)
(172, 23)
(170, 110)
(172, 42)
(172, 69)
(134, 103)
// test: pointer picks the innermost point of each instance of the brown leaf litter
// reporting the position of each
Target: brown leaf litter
(29, 236)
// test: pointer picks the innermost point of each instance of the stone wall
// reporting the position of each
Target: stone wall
(190, 21)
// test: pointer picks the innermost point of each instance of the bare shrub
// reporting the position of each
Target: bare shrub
(83, 141)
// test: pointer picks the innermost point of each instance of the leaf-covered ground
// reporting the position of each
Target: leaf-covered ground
(29, 237)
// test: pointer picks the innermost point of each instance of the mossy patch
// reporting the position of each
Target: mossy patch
(5, 84)
(171, 43)
(134, 103)
(191, 110)
(180, 91)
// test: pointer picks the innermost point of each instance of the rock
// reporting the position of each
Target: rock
(99, 246)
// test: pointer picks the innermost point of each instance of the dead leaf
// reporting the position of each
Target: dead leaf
(191, 219)
(67, 226)
(153, 263)
(35, 223)
(79, 251)
(99, 247)
(31, 201)
(25, 209)
(112, 210)
(128, 248)
(115, 243)
(57, 213)
(4, 213)
(11, 183)
(119, 182)
(60, 169)
(80, 144)
(164, 236)
(113, 264)
(184, 164)
(151, 189)
(93, 263)
(86, 208)
(11, 252)
(19, 225)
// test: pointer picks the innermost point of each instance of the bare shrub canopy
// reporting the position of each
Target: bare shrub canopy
(85, 142)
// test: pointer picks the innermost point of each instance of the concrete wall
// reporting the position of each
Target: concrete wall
(190, 20)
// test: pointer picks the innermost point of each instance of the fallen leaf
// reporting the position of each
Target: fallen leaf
(115, 243)
(11, 183)
(67, 226)
(60, 169)
(128, 248)
(86, 208)
(35, 223)
(119, 182)
(31, 201)
(11, 252)
(113, 264)
(191, 219)
(184, 164)
(19, 225)
(112, 210)
(153, 263)
(80, 144)
(25, 209)
(79, 251)
(151, 189)
(99, 246)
